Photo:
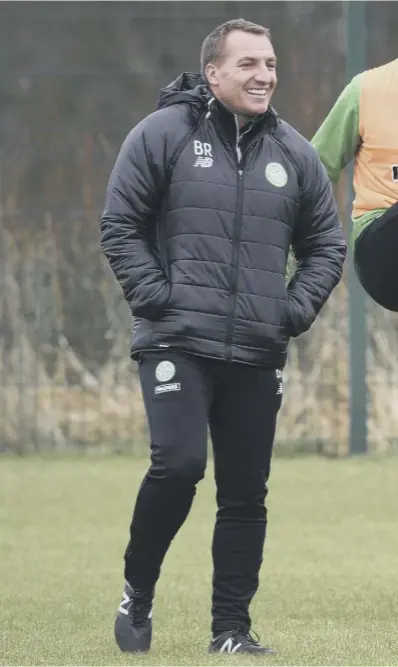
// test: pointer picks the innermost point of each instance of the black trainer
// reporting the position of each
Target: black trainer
(133, 624)
(236, 641)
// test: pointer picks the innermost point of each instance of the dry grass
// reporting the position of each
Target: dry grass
(43, 410)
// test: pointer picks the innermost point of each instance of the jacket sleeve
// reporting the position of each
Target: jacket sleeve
(132, 200)
(318, 245)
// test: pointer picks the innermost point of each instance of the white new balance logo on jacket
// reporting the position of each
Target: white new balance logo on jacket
(203, 162)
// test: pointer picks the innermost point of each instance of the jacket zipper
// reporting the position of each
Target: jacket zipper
(235, 245)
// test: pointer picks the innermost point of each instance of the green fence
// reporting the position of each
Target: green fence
(75, 78)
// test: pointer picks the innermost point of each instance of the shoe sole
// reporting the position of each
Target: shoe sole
(264, 651)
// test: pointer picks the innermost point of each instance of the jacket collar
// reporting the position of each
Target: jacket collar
(226, 121)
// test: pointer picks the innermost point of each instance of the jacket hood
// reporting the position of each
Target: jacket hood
(191, 88)
(188, 88)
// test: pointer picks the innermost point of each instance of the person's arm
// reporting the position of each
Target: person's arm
(132, 199)
(338, 139)
(318, 245)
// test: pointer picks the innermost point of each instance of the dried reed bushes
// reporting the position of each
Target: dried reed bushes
(105, 409)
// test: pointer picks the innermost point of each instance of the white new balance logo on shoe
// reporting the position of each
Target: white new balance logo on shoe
(123, 604)
(228, 646)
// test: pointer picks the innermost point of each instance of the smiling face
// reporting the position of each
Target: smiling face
(244, 76)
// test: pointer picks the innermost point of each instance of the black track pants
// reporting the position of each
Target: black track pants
(183, 394)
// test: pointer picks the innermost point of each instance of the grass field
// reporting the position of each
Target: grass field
(329, 591)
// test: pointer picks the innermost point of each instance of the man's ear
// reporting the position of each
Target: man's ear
(211, 75)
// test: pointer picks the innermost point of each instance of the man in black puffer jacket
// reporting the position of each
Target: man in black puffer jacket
(207, 196)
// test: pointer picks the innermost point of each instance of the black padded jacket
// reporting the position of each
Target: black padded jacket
(198, 222)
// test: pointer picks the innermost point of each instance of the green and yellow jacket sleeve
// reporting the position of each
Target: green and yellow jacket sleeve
(338, 138)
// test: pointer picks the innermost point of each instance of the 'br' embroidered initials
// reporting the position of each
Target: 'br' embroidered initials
(204, 153)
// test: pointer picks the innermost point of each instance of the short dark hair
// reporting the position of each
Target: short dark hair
(213, 44)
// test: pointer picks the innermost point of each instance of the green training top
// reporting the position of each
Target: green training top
(338, 140)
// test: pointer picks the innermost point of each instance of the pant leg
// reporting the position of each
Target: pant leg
(376, 259)
(177, 399)
(242, 423)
